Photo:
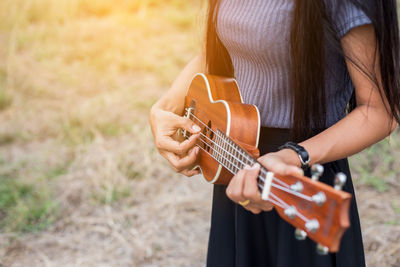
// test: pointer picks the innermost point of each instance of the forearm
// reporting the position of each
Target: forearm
(360, 129)
(173, 99)
(369, 122)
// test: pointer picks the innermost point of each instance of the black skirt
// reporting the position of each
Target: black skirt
(242, 239)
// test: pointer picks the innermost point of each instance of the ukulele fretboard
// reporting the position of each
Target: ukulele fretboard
(229, 154)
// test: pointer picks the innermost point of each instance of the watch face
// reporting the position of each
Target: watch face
(304, 156)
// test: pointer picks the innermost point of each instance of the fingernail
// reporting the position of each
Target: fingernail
(196, 128)
(247, 167)
(196, 150)
(255, 166)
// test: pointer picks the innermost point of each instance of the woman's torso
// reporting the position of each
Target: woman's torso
(256, 34)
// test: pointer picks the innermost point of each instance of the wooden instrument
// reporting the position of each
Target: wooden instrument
(228, 141)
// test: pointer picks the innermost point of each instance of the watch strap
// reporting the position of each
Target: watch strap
(301, 152)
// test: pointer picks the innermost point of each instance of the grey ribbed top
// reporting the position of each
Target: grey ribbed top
(256, 34)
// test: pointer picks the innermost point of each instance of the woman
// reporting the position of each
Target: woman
(305, 64)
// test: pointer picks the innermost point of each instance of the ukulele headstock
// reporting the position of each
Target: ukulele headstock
(314, 208)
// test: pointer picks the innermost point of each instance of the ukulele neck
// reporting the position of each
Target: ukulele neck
(229, 154)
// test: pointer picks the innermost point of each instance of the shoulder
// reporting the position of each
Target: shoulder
(346, 15)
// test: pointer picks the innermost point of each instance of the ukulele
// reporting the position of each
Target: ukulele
(229, 140)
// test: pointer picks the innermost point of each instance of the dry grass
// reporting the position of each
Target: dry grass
(77, 78)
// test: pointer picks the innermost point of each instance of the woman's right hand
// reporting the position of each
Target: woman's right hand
(181, 154)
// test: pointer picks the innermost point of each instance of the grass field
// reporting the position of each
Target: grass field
(81, 183)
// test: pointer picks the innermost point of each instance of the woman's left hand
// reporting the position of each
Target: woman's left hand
(243, 185)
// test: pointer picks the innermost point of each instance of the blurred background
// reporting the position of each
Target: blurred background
(81, 183)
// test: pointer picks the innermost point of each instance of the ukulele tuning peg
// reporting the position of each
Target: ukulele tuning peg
(312, 226)
(291, 212)
(316, 171)
(340, 180)
(300, 234)
(319, 198)
(297, 187)
(322, 250)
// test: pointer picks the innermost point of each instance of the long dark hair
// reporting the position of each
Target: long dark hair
(311, 28)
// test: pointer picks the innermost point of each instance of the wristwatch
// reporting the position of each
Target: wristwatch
(301, 152)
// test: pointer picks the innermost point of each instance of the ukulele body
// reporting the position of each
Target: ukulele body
(229, 137)
(216, 101)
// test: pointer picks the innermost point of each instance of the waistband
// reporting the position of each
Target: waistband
(275, 136)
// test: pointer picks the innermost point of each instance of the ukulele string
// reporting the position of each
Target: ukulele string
(300, 195)
(278, 202)
(263, 171)
(247, 157)
(287, 189)
(301, 216)
(277, 198)
(229, 144)
(275, 203)
(243, 163)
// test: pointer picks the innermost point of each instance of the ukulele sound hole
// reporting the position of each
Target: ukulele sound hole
(210, 136)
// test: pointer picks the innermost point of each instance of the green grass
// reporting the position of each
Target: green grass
(5, 99)
(6, 139)
(73, 71)
(77, 79)
(76, 132)
(25, 207)
(376, 165)
(396, 206)
(27, 201)
(392, 222)
(53, 173)
(109, 195)
(80, 130)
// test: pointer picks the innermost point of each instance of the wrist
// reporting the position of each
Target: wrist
(153, 112)
(166, 103)
(157, 107)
